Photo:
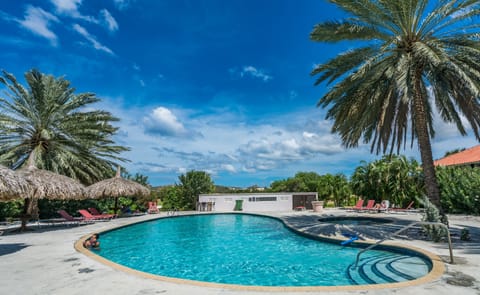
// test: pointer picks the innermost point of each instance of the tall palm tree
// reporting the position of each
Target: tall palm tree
(414, 57)
(62, 129)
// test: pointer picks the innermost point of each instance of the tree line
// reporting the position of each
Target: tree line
(393, 177)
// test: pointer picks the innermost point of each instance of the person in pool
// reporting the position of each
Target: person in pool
(92, 242)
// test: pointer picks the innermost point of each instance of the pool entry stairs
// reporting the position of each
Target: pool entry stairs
(380, 269)
(385, 268)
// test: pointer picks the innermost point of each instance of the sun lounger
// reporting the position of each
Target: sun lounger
(89, 216)
(95, 213)
(6, 227)
(357, 206)
(370, 206)
(152, 208)
(69, 218)
(406, 209)
(384, 206)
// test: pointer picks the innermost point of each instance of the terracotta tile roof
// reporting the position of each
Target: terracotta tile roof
(468, 156)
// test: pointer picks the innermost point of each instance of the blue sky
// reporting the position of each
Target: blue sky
(212, 85)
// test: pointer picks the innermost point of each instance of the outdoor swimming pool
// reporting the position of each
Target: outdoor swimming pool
(250, 250)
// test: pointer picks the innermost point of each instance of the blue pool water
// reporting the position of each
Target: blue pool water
(249, 250)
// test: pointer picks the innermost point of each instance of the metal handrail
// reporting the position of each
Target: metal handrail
(407, 227)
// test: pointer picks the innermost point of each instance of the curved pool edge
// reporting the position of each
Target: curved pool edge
(438, 266)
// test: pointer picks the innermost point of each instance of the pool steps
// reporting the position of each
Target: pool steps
(380, 269)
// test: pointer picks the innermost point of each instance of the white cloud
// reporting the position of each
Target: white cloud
(308, 134)
(163, 122)
(38, 21)
(255, 73)
(121, 4)
(108, 19)
(228, 167)
(70, 8)
(225, 145)
(93, 41)
(66, 6)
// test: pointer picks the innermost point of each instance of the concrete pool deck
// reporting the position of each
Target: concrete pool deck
(44, 261)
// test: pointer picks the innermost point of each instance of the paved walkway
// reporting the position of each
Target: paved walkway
(44, 261)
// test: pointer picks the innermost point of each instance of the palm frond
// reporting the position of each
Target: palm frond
(335, 31)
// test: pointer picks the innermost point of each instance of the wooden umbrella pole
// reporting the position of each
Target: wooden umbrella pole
(115, 207)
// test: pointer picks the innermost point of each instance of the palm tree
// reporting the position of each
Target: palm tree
(66, 134)
(413, 58)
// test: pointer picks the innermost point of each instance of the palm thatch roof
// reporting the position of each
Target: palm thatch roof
(116, 187)
(50, 185)
(11, 185)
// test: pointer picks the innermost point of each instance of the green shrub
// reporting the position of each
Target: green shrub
(11, 209)
(459, 189)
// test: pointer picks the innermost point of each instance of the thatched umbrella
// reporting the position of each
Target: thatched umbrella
(12, 186)
(49, 185)
(116, 187)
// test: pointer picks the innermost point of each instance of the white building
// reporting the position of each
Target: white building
(256, 202)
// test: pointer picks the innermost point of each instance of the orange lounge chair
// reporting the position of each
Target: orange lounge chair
(152, 208)
(95, 213)
(90, 217)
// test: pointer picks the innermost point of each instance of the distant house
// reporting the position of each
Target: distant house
(256, 202)
(469, 157)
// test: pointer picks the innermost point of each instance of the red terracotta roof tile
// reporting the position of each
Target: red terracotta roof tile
(468, 156)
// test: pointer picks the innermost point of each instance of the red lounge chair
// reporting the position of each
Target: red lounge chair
(152, 208)
(370, 205)
(95, 213)
(89, 216)
(70, 218)
(357, 206)
(406, 209)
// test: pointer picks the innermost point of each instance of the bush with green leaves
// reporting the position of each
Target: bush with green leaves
(172, 198)
(460, 189)
(11, 209)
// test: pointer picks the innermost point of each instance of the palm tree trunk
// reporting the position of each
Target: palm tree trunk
(423, 137)
(25, 214)
(115, 206)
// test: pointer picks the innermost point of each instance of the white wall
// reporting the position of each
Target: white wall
(227, 202)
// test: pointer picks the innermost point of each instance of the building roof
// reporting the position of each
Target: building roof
(468, 156)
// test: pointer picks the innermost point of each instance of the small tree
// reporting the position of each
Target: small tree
(393, 177)
(192, 185)
(172, 198)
